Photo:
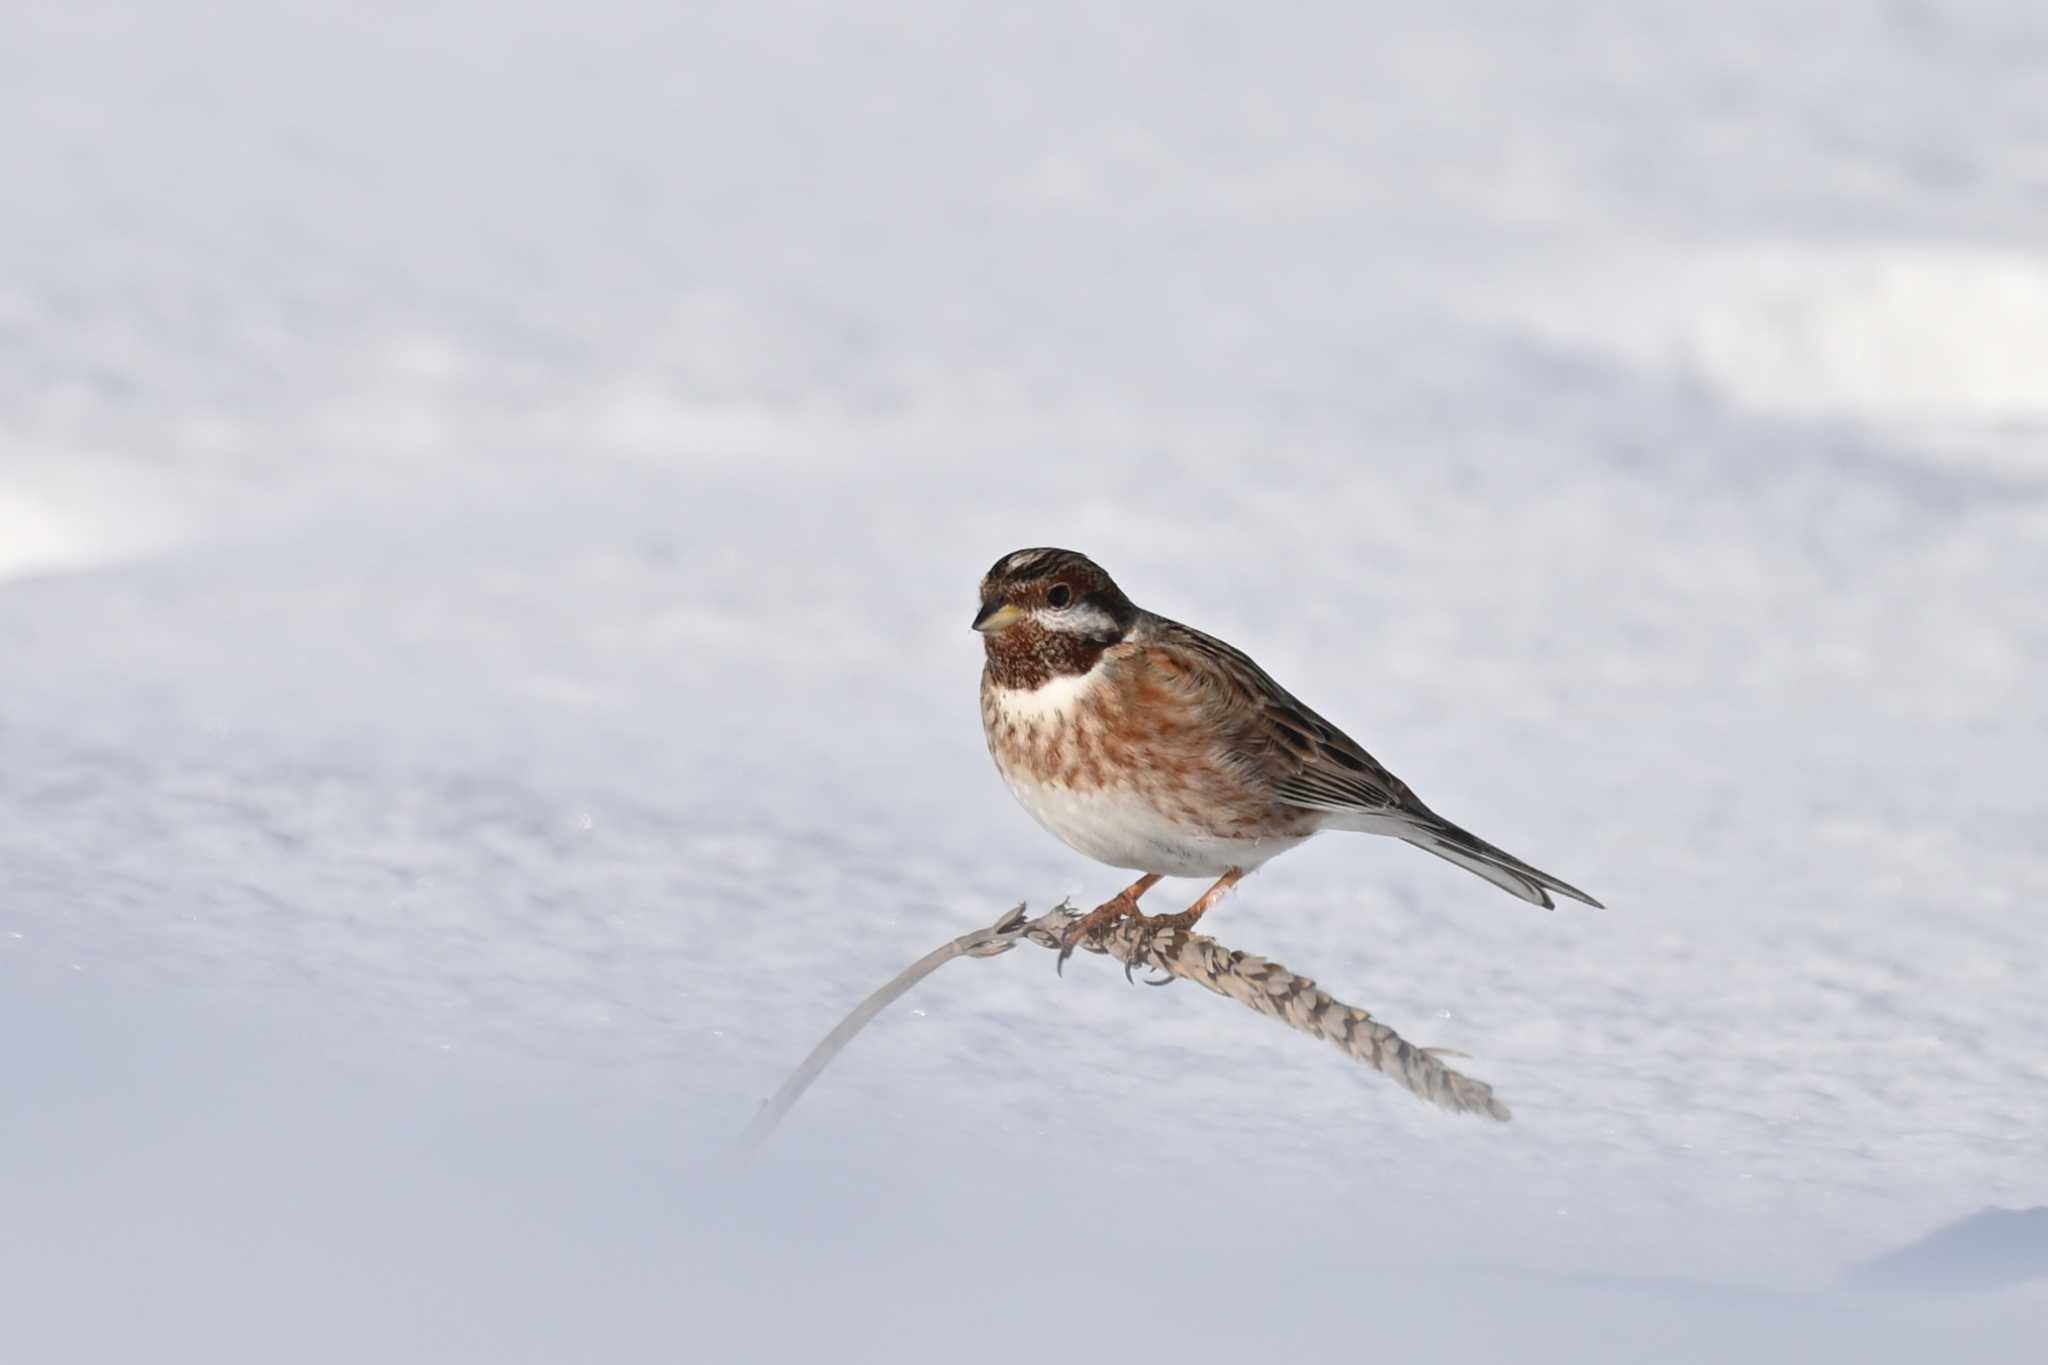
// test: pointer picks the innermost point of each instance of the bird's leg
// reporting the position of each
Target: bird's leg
(1149, 926)
(1122, 905)
(1186, 918)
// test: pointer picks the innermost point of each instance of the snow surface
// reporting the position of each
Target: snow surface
(490, 499)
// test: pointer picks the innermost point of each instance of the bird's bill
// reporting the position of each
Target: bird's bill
(996, 616)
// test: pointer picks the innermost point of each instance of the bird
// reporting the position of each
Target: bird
(1151, 746)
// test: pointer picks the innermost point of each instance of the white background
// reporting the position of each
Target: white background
(490, 502)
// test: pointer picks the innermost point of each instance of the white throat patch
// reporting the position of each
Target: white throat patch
(1054, 700)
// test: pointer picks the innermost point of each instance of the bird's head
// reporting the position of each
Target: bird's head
(1047, 612)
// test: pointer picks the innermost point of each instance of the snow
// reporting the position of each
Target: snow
(1939, 341)
(490, 506)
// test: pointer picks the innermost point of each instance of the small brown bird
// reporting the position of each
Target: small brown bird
(1150, 746)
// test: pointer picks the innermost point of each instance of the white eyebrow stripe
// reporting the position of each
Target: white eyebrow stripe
(1084, 618)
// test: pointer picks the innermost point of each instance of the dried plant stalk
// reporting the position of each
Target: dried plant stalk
(1254, 982)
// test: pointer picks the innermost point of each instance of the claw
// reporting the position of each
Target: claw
(1106, 914)
(1142, 940)
(1067, 942)
(1141, 949)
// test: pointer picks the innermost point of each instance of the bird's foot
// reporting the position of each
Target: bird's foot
(1096, 924)
(1150, 927)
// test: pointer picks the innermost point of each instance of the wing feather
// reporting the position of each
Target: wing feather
(1301, 758)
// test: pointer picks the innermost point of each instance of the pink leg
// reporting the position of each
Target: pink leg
(1186, 918)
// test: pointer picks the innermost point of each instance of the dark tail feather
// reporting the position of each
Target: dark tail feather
(1498, 866)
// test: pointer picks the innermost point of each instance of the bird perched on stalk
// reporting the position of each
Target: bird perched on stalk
(1151, 746)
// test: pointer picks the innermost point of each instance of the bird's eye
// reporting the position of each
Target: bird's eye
(1058, 595)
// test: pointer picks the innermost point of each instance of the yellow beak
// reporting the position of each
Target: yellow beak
(994, 617)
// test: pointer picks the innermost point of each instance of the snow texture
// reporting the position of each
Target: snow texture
(490, 502)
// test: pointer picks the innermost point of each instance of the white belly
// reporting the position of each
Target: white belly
(1116, 826)
(1111, 821)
